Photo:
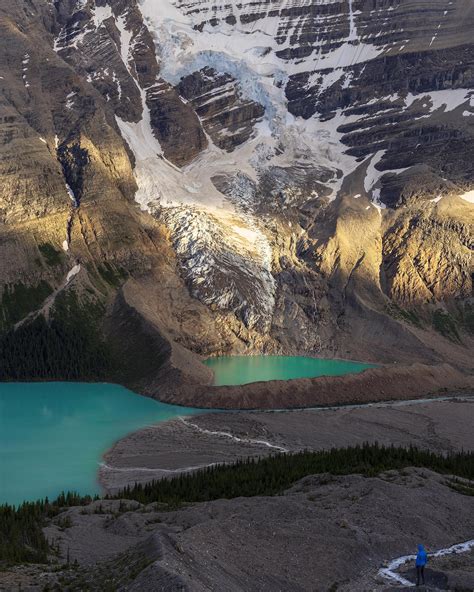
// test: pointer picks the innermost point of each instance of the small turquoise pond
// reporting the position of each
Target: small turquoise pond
(230, 370)
(53, 435)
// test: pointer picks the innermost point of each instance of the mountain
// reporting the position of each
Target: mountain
(184, 178)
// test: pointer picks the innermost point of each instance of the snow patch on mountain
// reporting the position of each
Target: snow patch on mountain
(72, 197)
(450, 99)
(468, 196)
(186, 43)
(72, 273)
(101, 14)
(226, 259)
(353, 50)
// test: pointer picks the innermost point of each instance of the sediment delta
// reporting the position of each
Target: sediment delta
(184, 444)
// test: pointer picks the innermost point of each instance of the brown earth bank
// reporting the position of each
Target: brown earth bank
(375, 384)
(153, 364)
(324, 534)
(181, 445)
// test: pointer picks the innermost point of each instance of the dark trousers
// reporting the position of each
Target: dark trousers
(420, 573)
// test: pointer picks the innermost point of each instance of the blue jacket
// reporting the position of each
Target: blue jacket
(422, 557)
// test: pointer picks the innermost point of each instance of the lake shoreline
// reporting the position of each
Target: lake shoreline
(374, 385)
(185, 444)
(54, 434)
(381, 382)
(243, 370)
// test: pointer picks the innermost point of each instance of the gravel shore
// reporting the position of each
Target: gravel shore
(188, 443)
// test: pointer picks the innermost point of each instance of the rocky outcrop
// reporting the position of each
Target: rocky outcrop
(417, 251)
(113, 48)
(142, 548)
(226, 116)
(175, 124)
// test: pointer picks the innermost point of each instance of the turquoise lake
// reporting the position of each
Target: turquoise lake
(244, 369)
(53, 435)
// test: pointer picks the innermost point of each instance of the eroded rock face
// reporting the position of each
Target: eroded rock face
(111, 45)
(427, 257)
(175, 124)
(303, 174)
(226, 116)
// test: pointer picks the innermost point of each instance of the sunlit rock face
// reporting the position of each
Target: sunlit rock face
(309, 166)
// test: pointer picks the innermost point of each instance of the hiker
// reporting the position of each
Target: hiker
(420, 563)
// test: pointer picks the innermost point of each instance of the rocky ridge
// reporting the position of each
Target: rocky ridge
(243, 543)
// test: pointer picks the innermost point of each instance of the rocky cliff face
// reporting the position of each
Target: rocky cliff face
(249, 176)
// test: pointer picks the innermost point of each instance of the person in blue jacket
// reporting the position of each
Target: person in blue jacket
(421, 560)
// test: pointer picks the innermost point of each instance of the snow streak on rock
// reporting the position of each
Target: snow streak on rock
(72, 273)
(390, 572)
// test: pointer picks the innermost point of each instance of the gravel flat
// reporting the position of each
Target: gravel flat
(184, 444)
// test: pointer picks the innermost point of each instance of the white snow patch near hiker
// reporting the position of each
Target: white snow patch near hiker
(390, 572)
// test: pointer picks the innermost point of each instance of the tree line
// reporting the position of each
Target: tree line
(22, 539)
(21, 527)
(274, 474)
(68, 346)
